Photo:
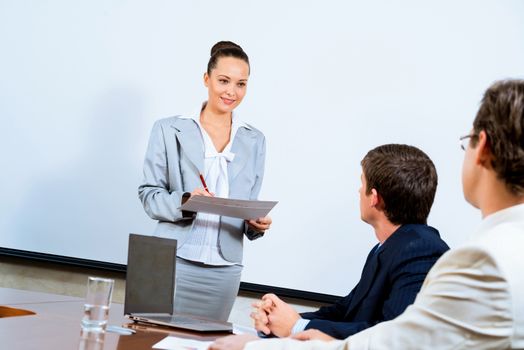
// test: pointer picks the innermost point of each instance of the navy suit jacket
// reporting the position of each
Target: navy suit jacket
(390, 281)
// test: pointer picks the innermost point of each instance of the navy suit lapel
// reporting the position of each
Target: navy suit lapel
(191, 142)
(366, 280)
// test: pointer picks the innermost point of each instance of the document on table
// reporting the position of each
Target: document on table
(175, 343)
(238, 329)
(236, 208)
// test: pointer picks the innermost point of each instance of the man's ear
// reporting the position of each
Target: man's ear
(483, 154)
(375, 199)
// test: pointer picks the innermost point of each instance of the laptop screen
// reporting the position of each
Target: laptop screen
(150, 276)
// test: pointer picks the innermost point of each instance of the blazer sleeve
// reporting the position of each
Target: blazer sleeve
(335, 312)
(255, 190)
(339, 330)
(159, 202)
(330, 319)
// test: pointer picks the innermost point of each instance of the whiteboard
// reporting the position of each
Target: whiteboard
(81, 83)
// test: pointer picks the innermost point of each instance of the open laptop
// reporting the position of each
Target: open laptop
(150, 286)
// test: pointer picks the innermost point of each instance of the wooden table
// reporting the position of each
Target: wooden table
(56, 325)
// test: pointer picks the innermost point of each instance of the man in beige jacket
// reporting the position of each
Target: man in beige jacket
(473, 297)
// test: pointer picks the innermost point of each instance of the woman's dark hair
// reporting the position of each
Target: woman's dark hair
(405, 178)
(501, 117)
(225, 49)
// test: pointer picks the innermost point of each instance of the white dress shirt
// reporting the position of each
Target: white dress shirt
(202, 245)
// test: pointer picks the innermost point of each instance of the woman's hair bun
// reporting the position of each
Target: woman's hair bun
(222, 45)
(225, 49)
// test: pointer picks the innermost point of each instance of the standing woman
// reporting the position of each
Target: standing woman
(230, 155)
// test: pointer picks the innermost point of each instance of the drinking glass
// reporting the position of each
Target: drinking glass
(96, 307)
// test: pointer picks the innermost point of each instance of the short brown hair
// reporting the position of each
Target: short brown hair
(406, 180)
(501, 116)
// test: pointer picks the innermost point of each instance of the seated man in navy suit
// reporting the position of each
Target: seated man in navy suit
(398, 188)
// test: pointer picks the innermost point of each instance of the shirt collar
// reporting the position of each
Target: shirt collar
(511, 214)
(195, 115)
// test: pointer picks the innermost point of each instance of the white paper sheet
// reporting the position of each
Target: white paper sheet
(238, 329)
(236, 208)
(175, 343)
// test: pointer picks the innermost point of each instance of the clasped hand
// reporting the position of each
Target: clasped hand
(272, 315)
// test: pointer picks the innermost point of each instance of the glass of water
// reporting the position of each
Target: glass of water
(96, 307)
(91, 340)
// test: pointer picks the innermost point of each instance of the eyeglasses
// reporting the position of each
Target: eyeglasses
(464, 141)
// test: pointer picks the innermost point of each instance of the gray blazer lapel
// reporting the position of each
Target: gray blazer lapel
(242, 147)
(191, 142)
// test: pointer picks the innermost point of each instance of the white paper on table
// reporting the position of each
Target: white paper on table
(238, 329)
(236, 208)
(175, 343)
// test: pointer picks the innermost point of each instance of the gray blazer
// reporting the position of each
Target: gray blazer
(173, 162)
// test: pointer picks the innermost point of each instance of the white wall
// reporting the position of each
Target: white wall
(81, 84)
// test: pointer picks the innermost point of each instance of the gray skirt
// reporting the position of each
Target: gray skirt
(206, 290)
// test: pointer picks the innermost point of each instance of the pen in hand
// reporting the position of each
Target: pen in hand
(204, 183)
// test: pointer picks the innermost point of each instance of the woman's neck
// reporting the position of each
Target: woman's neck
(215, 118)
(218, 127)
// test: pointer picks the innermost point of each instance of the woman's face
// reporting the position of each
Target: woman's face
(227, 84)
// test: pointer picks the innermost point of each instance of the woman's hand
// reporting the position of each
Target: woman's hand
(201, 192)
(260, 224)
